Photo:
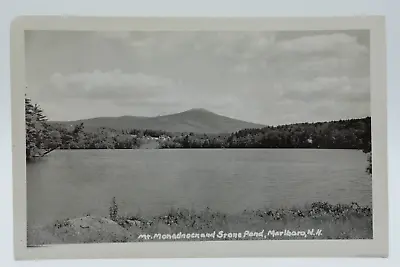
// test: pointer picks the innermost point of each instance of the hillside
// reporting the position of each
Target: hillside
(194, 120)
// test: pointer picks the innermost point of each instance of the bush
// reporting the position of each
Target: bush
(113, 210)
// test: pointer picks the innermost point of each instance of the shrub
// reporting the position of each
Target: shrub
(113, 210)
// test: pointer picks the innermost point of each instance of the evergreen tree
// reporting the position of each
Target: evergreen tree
(37, 129)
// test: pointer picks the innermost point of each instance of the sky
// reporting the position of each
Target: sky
(262, 77)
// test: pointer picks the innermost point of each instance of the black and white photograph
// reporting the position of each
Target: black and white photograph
(144, 136)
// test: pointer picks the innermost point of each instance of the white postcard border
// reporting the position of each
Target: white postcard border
(377, 247)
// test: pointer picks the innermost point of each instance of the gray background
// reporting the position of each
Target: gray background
(201, 8)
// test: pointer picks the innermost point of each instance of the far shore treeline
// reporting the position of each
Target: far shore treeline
(43, 136)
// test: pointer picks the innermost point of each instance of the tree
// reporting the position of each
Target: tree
(41, 137)
(367, 145)
(36, 130)
(369, 168)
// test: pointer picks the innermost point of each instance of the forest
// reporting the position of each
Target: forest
(342, 134)
(42, 136)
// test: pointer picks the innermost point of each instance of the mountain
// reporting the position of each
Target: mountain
(193, 120)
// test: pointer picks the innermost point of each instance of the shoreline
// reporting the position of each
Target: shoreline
(203, 148)
(340, 221)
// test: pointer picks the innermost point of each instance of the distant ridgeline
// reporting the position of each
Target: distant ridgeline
(43, 136)
(343, 134)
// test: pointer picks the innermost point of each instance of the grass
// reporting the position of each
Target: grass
(340, 221)
(335, 221)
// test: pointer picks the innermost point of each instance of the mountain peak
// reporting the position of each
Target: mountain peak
(199, 110)
(196, 120)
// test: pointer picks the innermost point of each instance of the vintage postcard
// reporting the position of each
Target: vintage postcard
(199, 137)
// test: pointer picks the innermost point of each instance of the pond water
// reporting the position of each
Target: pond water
(71, 183)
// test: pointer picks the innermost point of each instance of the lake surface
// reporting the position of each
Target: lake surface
(72, 183)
